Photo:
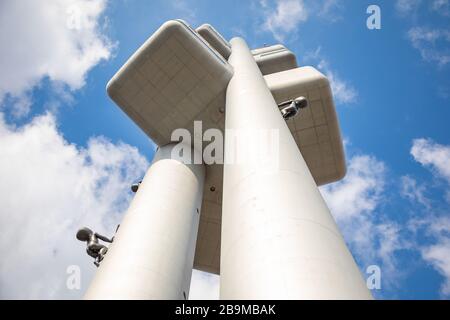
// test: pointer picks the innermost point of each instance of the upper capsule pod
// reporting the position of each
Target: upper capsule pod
(174, 76)
(274, 59)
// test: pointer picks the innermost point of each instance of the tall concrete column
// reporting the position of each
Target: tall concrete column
(279, 240)
(153, 252)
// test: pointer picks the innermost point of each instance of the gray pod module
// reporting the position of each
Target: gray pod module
(316, 129)
(174, 76)
(274, 59)
(215, 39)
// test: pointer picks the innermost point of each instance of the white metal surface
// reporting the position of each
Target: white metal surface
(215, 39)
(279, 240)
(174, 77)
(148, 89)
(266, 49)
(152, 254)
(274, 59)
(316, 129)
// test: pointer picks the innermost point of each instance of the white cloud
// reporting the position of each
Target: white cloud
(405, 7)
(284, 17)
(58, 40)
(433, 44)
(48, 189)
(435, 157)
(21, 105)
(353, 203)
(432, 155)
(438, 254)
(414, 192)
(441, 6)
(330, 10)
(360, 192)
(343, 92)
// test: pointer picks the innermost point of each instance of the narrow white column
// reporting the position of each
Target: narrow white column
(279, 240)
(153, 252)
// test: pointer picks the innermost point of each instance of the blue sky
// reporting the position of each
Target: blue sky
(73, 153)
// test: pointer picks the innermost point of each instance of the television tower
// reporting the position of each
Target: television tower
(258, 218)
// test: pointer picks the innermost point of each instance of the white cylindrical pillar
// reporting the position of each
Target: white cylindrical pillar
(153, 251)
(279, 240)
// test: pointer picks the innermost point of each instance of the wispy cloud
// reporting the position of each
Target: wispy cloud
(433, 44)
(413, 191)
(283, 16)
(405, 7)
(433, 155)
(330, 10)
(343, 92)
(438, 254)
(436, 158)
(360, 191)
(354, 202)
(436, 250)
(441, 6)
(185, 10)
